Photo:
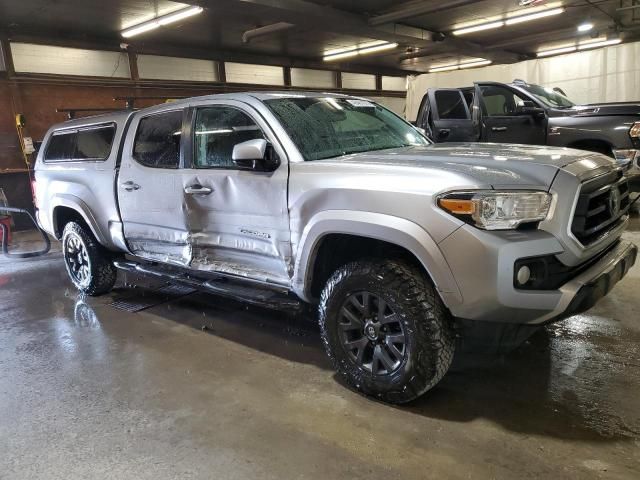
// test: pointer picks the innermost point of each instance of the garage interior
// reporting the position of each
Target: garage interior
(154, 382)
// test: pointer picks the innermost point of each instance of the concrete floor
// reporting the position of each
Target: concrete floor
(88, 391)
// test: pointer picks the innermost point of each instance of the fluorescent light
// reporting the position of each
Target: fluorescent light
(603, 43)
(377, 48)
(336, 51)
(371, 47)
(477, 28)
(179, 15)
(534, 16)
(337, 56)
(460, 66)
(509, 21)
(477, 63)
(556, 51)
(372, 44)
(446, 68)
(144, 27)
(585, 27)
(161, 21)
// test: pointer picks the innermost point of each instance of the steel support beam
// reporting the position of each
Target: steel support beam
(266, 30)
(50, 38)
(322, 18)
(413, 9)
(319, 17)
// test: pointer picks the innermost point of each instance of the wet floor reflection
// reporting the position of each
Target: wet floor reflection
(578, 380)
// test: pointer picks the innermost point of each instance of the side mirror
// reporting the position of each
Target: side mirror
(255, 155)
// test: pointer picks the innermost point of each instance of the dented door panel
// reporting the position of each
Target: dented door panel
(152, 202)
(242, 226)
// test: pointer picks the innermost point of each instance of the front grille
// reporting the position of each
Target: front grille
(602, 206)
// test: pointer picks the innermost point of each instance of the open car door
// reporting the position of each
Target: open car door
(446, 116)
(508, 117)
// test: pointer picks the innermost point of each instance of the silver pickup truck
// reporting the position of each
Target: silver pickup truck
(285, 197)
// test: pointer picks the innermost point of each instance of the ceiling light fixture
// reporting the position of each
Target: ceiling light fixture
(161, 21)
(586, 45)
(585, 27)
(459, 66)
(445, 68)
(478, 28)
(534, 16)
(509, 21)
(601, 43)
(363, 49)
(556, 51)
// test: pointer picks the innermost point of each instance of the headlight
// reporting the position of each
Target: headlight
(635, 130)
(496, 210)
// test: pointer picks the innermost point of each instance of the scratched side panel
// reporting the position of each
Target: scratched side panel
(242, 227)
(154, 214)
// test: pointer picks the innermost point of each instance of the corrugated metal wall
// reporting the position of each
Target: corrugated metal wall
(253, 74)
(32, 58)
(174, 68)
(361, 81)
(304, 77)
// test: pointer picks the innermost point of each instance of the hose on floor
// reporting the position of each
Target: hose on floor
(5, 236)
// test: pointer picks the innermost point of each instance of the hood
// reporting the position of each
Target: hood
(631, 109)
(497, 165)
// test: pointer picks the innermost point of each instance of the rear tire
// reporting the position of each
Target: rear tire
(88, 263)
(386, 329)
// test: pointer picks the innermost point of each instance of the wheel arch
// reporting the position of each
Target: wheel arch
(593, 145)
(68, 208)
(404, 236)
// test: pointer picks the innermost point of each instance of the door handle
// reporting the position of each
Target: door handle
(498, 129)
(130, 186)
(197, 190)
(444, 133)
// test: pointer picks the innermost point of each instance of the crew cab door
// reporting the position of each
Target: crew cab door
(446, 116)
(509, 117)
(237, 216)
(148, 187)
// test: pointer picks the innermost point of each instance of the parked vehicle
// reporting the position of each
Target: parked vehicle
(525, 113)
(284, 197)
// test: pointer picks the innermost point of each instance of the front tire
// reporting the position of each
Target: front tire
(386, 329)
(88, 263)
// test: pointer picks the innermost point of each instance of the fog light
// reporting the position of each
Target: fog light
(523, 275)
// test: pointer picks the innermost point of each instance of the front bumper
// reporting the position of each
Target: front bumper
(483, 265)
(597, 282)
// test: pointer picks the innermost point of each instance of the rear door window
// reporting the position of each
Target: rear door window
(157, 142)
(87, 144)
(61, 147)
(94, 143)
(451, 105)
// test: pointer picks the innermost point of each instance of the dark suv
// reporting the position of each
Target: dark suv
(524, 113)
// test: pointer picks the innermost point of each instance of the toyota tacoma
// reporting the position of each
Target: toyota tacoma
(292, 198)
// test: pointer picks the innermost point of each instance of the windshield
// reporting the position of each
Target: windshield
(548, 96)
(326, 127)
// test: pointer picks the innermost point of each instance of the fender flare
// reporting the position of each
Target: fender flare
(395, 230)
(77, 204)
(596, 139)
